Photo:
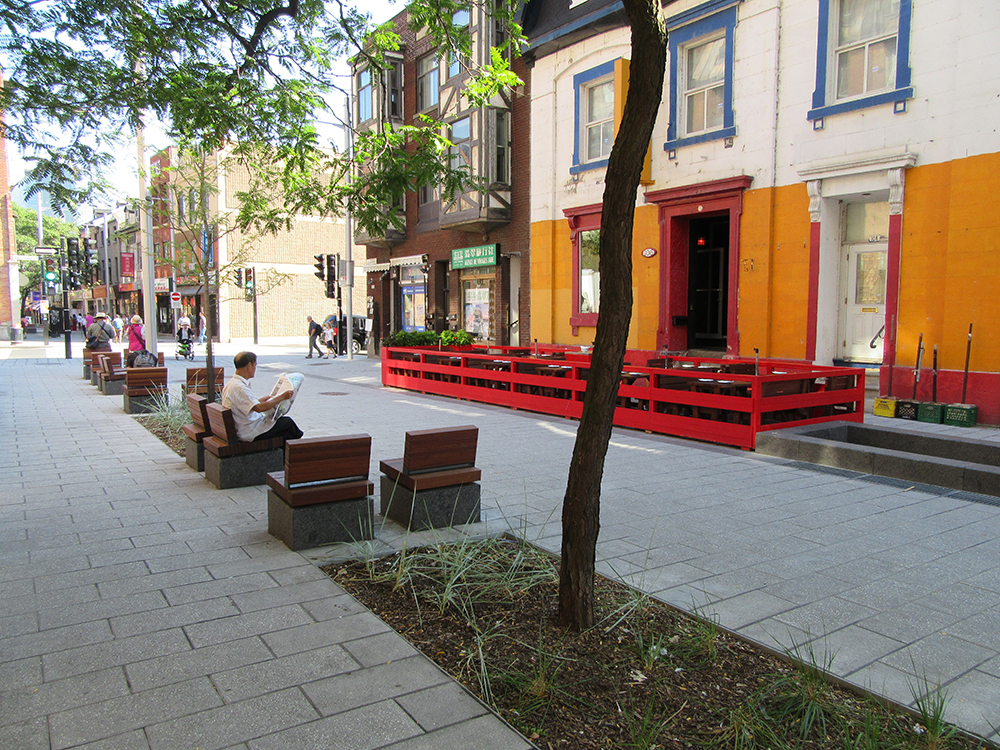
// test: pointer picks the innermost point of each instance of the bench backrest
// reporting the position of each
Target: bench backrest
(145, 377)
(221, 422)
(197, 379)
(196, 405)
(325, 459)
(432, 450)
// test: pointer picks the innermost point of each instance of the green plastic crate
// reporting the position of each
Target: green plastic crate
(907, 409)
(961, 415)
(930, 412)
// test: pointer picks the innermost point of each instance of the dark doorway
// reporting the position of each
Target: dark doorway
(708, 287)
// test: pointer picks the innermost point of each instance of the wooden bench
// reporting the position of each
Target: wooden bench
(323, 495)
(144, 386)
(88, 362)
(196, 432)
(435, 483)
(231, 462)
(110, 373)
(196, 380)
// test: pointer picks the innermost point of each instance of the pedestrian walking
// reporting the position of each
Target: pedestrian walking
(118, 324)
(99, 334)
(202, 327)
(136, 333)
(315, 330)
(330, 339)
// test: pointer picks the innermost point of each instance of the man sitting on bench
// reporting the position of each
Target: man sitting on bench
(248, 411)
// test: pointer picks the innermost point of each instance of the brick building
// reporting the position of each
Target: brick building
(282, 263)
(462, 264)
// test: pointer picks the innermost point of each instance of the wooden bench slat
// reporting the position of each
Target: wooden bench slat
(430, 480)
(325, 458)
(224, 442)
(427, 450)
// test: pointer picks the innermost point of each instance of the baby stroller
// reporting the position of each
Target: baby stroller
(185, 344)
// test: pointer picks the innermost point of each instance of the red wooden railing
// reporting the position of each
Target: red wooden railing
(716, 400)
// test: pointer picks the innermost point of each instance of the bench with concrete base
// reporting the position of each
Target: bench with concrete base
(111, 374)
(196, 432)
(436, 483)
(144, 386)
(231, 462)
(88, 361)
(323, 496)
(97, 365)
(196, 380)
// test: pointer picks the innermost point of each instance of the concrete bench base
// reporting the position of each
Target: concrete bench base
(112, 387)
(194, 454)
(245, 470)
(314, 525)
(95, 377)
(430, 509)
(86, 372)
(138, 404)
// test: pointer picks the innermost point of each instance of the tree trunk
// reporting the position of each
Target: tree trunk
(206, 303)
(581, 505)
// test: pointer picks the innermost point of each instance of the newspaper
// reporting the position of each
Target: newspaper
(289, 381)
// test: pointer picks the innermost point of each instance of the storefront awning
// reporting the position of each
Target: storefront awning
(406, 260)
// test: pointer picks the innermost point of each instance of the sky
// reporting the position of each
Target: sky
(123, 177)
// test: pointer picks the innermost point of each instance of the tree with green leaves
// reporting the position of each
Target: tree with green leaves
(26, 231)
(260, 74)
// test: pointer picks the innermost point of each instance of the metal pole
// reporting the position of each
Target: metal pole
(253, 292)
(146, 250)
(64, 278)
(44, 284)
(349, 239)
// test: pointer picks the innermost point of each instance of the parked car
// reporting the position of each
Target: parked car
(360, 331)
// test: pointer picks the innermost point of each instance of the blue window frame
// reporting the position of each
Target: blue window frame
(853, 48)
(701, 92)
(594, 133)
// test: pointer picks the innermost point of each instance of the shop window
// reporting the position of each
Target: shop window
(428, 84)
(413, 296)
(863, 55)
(701, 77)
(585, 234)
(477, 305)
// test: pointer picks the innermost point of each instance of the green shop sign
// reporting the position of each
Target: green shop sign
(469, 257)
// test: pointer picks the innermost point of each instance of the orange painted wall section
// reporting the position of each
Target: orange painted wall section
(774, 272)
(950, 263)
(551, 279)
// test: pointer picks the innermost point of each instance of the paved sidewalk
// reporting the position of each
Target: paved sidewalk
(155, 610)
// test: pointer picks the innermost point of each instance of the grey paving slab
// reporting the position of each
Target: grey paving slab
(894, 578)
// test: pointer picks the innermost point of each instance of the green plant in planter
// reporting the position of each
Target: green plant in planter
(411, 338)
(456, 338)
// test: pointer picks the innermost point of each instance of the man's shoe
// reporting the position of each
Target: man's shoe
(309, 357)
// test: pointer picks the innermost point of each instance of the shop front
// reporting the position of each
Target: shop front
(477, 272)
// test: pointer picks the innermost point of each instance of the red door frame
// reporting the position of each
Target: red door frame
(676, 206)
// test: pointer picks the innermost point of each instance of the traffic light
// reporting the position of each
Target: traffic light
(248, 282)
(331, 276)
(73, 255)
(239, 277)
(51, 270)
(89, 252)
(320, 266)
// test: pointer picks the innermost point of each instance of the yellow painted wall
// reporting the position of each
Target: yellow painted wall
(950, 263)
(774, 272)
(552, 275)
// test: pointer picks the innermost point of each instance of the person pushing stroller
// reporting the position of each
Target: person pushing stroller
(185, 340)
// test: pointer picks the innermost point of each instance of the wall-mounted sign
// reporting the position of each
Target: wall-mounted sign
(128, 264)
(470, 257)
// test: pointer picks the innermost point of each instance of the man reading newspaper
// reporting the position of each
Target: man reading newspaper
(259, 419)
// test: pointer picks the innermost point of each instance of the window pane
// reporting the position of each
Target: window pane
(851, 73)
(881, 64)
(870, 285)
(696, 112)
(460, 18)
(460, 130)
(590, 274)
(427, 82)
(714, 108)
(866, 222)
(706, 63)
(601, 102)
(867, 19)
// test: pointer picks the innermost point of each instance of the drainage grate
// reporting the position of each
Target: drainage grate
(333, 393)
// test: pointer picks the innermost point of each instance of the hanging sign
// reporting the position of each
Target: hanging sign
(470, 257)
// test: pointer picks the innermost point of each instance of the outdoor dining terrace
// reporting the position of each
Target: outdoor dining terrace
(726, 401)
